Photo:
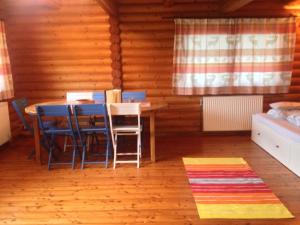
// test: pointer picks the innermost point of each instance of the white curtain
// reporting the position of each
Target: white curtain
(233, 56)
(6, 82)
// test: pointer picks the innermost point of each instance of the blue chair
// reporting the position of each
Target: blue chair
(19, 106)
(50, 133)
(133, 96)
(100, 126)
(99, 97)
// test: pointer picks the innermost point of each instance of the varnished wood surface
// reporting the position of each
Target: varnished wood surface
(156, 194)
(233, 5)
(148, 110)
(77, 48)
(145, 106)
(56, 50)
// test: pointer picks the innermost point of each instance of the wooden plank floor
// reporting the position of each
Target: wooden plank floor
(156, 194)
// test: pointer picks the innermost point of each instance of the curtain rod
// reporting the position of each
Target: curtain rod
(226, 17)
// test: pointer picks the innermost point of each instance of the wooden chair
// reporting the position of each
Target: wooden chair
(136, 96)
(125, 109)
(101, 127)
(95, 96)
(50, 134)
(19, 106)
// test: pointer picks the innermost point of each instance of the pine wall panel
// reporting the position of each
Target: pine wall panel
(55, 50)
(147, 49)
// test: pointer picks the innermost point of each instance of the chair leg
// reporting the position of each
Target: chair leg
(73, 157)
(32, 153)
(140, 147)
(138, 150)
(106, 155)
(115, 150)
(49, 158)
(51, 147)
(110, 150)
(83, 156)
(88, 143)
(44, 144)
(65, 143)
(92, 142)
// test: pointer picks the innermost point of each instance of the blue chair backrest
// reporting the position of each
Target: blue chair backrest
(91, 110)
(134, 96)
(54, 111)
(19, 105)
(99, 97)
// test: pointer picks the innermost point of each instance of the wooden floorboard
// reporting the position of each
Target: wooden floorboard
(156, 194)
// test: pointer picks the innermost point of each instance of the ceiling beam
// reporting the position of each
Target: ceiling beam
(233, 5)
(31, 3)
(109, 6)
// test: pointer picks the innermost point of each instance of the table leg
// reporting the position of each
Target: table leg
(152, 136)
(36, 130)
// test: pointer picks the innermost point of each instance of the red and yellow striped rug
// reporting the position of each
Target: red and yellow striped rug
(228, 188)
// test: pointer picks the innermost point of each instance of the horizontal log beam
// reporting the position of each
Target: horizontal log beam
(30, 3)
(109, 6)
(169, 3)
(233, 5)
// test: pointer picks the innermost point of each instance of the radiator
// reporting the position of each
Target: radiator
(5, 133)
(230, 113)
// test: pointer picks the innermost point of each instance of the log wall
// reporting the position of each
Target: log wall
(147, 49)
(55, 50)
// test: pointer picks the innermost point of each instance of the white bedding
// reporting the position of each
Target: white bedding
(282, 127)
(278, 113)
(294, 119)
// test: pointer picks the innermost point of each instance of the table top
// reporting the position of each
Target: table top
(145, 106)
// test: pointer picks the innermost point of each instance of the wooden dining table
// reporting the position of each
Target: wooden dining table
(148, 110)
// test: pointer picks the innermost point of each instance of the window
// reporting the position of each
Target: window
(6, 83)
(233, 56)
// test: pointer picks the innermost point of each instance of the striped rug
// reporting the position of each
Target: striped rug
(228, 188)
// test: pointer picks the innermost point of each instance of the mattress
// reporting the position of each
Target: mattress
(282, 127)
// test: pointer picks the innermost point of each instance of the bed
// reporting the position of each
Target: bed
(279, 138)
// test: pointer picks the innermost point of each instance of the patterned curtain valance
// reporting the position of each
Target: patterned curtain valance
(233, 56)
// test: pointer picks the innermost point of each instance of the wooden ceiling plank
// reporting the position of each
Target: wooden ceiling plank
(233, 5)
(109, 6)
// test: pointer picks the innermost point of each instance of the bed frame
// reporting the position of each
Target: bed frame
(283, 148)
